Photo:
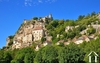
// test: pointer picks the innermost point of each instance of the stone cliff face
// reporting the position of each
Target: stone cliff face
(32, 31)
(98, 16)
(29, 32)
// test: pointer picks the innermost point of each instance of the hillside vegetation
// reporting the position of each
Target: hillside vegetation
(72, 52)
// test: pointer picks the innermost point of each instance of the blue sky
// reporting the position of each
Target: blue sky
(13, 12)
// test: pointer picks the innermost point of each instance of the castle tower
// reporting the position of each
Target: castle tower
(24, 21)
(50, 16)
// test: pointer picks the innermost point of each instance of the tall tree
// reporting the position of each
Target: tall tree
(81, 17)
(93, 13)
(49, 54)
(24, 55)
(71, 54)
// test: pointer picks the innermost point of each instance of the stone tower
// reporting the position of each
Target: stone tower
(25, 21)
(50, 16)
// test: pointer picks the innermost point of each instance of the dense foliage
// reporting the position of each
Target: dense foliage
(71, 53)
(57, 27)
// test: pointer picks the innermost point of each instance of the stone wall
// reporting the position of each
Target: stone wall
(30, 32)
(26, 34)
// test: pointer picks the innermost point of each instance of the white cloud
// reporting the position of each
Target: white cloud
(25, 3)
(40, 1)
(37, 2)
(51, 1)
(28, 2)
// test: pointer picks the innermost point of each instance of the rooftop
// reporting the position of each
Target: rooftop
(38, 27)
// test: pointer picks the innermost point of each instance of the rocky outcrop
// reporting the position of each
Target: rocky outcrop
(30, 31)
(9, 40)
(98, 15)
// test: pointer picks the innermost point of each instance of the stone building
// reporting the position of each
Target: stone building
(47, 17)
(38, 33)
(29, 32)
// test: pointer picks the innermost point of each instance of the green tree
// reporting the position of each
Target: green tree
(1, 56)
(92, 46)
(38, 57)
(49, 27)
(81, 17)
(70, 23)
(81, 27)
(47, 21)
(49, 55)
(29, 58)
(93, 13)
(54, 23)
(35, 18)
(71, 34)
(55, 40)
(11, 40)
(43, 39)
(7, 57)
(88, 16)
(91, 30)
(61, 22)
(22, 56)
(71, 54)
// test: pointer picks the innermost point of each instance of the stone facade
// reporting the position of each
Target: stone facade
(27, 34)
(30, 31)
(47, 17)
(38, 33)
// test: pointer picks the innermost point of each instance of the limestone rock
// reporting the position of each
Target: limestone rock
(27, 34)
(30, 31)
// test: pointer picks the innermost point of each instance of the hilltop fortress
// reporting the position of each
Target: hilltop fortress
(36, 32)
(30, 31)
